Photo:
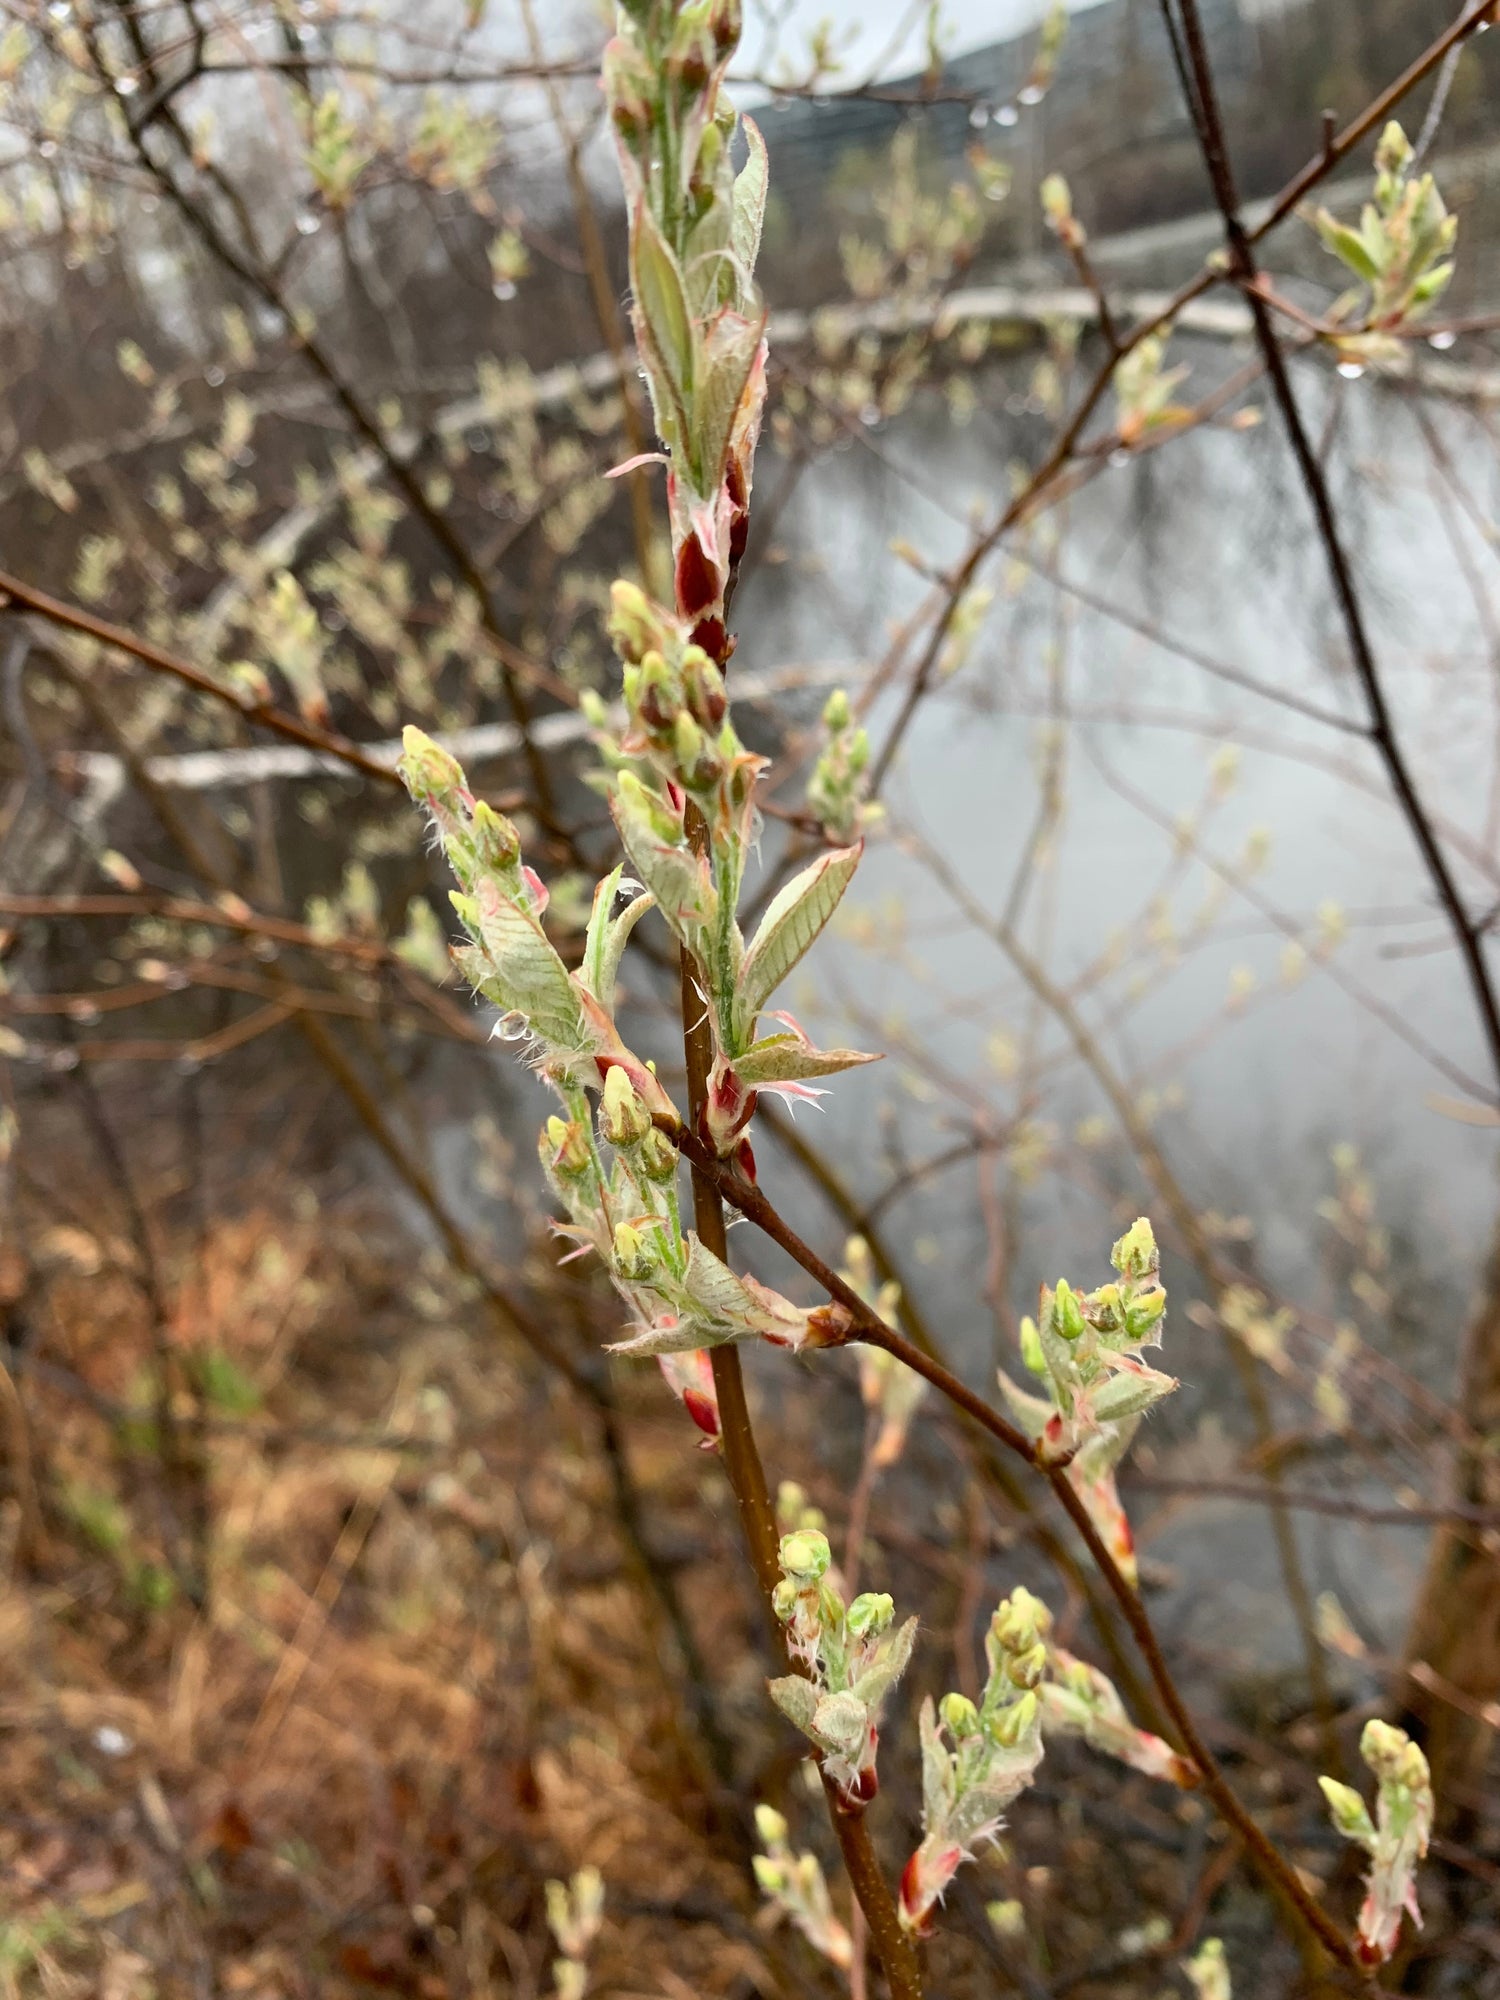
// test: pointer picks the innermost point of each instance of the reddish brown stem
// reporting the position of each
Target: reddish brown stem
(747, 1478)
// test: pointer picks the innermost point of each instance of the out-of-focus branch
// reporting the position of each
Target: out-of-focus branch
(1186, 33)
(72, 618)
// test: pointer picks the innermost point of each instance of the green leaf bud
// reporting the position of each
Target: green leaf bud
(1026, 1668)
(1031, 1347)
(704, 685)
(1393, 155)
(635, 1259)
(772, 1877)
(805, 1554)
(639, 801)
(427, 769)
(770, 1827)
(1143, 1311)
(566, 1144)
(837, 714)
(623, 1118)
(1067, 1312)
(688, 743)
(1347, 1810)
(1136, 1254)
(636, 625)
(655, 695)
(960, 1716)
(658, 1157)
(496, 842)
(870, 1613)
(1012, 1723)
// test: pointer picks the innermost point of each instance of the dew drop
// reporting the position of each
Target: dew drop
(1007, 115)
(307, 223)
(214, 377)
(869, 416)
(63, 1059)
(510, 1028)
(127, 86)
(979, 117)
(1442, 340)
(60, 10)
(1351, 370)
(1119, 456)
(503, 288)
(48, 149)
(1032, 93)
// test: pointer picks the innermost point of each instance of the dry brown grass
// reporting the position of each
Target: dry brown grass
(427, 1676)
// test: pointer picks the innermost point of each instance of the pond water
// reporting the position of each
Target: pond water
(1256, 1034)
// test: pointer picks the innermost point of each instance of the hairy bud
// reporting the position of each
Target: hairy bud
(805, 1554)
(567, 1148)
(623, 1118)
(635, 1260)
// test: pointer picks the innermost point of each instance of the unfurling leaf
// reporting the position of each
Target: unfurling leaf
(791, 1058)
(527, 969)
(749, 200)
(791, 924)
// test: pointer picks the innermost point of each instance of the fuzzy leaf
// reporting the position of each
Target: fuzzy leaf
(1032, 1413)
(735, 1307)
(527, 972)
(607, 937)
(797, 1699)
(1347, 245)
(749, 202)
(662, 297)
(938, 1782)
(876, 1682)
(675, 876)
(789, 928)
(841, 1723)
(1130, 1392)
(668, 1333)
(791, 1058)
(732, 345)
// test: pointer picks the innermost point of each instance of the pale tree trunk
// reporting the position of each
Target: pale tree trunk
(1451, 1670)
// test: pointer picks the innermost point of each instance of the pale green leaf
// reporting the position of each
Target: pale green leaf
(792, 1059)
(527, 973)
(789, 928)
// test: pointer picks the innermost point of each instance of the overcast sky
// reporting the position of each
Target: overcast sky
(869, 28)
(890, 32)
